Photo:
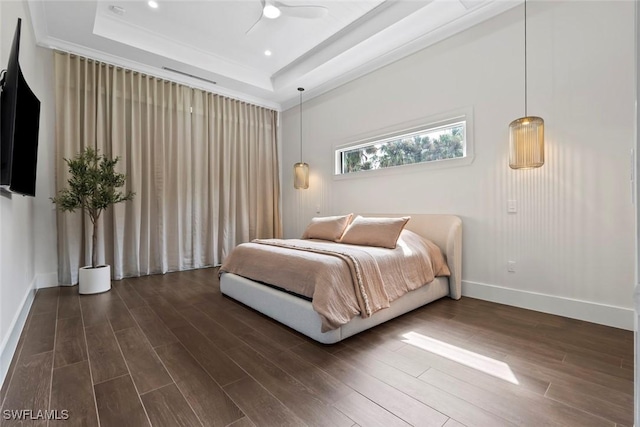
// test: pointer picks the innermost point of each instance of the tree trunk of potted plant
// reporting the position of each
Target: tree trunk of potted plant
(94, 245)
(93, 188)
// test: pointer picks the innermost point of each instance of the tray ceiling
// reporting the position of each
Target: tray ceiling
(207, 41)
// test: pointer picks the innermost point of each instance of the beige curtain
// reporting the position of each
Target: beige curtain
(204, 169)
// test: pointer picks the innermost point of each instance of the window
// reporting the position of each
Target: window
(432, 143)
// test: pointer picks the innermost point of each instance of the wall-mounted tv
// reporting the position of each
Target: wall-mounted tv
(19, 123)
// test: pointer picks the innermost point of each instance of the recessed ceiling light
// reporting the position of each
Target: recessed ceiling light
(271, 12)
(153, 4)
(267, 52)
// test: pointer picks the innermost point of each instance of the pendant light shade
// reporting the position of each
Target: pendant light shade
(526, 134)
(301, 176)
(526, 143)
(301, 169)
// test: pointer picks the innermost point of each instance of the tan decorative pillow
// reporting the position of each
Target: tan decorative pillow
(327, 227)
(382, 232)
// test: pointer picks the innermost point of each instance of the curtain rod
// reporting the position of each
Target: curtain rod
(164, 79)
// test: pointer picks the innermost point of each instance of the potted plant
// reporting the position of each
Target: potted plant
(93, 187)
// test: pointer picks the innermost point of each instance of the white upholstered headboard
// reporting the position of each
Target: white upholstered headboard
(446, 232)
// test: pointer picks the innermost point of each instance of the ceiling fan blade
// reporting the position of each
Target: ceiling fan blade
(259, 19)
(254, 24)
(307, 12)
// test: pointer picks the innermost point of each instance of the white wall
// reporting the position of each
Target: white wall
(573, 236)
(28, 256)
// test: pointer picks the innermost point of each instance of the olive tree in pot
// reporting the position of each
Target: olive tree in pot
(93, 187)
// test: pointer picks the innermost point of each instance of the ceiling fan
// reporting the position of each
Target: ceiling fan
(273, 9)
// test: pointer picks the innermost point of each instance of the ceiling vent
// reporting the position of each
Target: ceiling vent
(117, 10)
(189, 75)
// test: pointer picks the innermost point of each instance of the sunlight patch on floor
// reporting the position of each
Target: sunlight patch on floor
(493, 367)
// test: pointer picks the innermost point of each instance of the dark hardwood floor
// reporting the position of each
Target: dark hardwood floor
(170, 350)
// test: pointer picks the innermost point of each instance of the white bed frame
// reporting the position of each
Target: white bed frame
(297, 313)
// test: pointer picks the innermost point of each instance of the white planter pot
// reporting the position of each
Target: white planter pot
(94, 280)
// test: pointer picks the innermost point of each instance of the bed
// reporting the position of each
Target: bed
(297, 313)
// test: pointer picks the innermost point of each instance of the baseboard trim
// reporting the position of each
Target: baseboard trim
(10, 342)
(618, 317)
(46, 280)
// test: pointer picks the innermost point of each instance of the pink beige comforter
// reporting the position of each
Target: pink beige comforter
(342, 280)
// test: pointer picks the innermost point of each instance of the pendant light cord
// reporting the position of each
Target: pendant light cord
(301, 90)
(525, 58)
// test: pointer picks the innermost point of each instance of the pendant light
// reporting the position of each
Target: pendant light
(526, 134)
(301, 169)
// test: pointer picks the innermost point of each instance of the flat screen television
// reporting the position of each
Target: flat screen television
(19, 124)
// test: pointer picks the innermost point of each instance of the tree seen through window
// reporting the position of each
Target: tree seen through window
(426, 146)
